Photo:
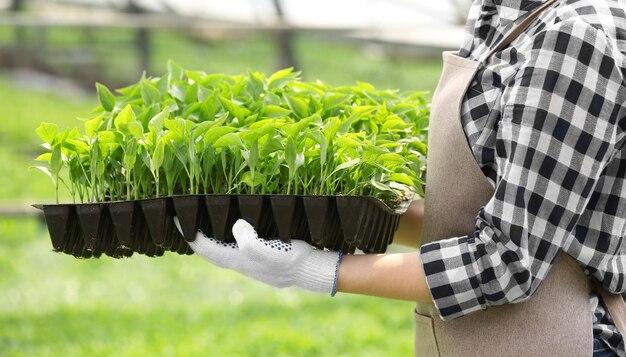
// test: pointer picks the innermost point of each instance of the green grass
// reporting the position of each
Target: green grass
(56, 305)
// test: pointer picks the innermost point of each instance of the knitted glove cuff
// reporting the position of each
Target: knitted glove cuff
(318, 271)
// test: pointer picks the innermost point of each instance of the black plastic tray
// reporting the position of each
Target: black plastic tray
(121, 228)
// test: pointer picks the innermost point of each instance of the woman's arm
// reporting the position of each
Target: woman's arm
(397, 276)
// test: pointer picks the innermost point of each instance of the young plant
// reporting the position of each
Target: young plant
(191, 132)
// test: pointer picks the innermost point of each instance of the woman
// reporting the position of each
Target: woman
(526, 194)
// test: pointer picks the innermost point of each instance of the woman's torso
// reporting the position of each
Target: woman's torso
(596, 241)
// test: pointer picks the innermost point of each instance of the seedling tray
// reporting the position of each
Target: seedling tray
(122, 228)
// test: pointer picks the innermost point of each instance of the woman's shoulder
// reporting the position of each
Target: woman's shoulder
(576, 26)
(606, 16)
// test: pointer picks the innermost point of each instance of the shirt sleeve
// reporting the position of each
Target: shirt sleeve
(558, 128)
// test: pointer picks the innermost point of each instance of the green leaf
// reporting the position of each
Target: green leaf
(45, 157)
(235, 110)
(395, 123)
(108, 137)
(171, 104)
(150, 94)
(213, 80)
(365, 86)
(335, 99)
(45, 170)
(212, 135)
(135, 129)
(402, 108)
(124, 117)
(280, 78)
(419, 146)
(259, 179)
(268, 123)
(193, 111)
(346, 165)
(174, 71)
(105, 97)
(210, 106)
(270, 146)
(201, 129)
(191, 95)
(158, 155)
(391, 157)
(127, 123)
(300, 127)
(401, 178)
(92, 126)
(130, 154)
(178, 90)
(379, 185)
(204, 93)
(291, 151)
(230, 139)
(156, 123)
(348, 142)
(47, 132)
(78, 146)
(357, 114)
(255, 84)
(272, 99)
(195, 76)
(176, 127)
(130, 91)
(297, 105)
(181, 153)
(56, 160)
(331, 128)
(315, 106)
(274, 111)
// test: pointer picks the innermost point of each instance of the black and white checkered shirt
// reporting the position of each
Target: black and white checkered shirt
(546, 119)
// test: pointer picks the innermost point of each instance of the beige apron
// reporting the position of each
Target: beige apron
(557, 320)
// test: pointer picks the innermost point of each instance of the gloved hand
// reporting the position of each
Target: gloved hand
(272, 261)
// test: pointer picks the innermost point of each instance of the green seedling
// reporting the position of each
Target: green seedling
(189, 132)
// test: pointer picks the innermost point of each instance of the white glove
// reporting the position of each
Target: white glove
(272, 261)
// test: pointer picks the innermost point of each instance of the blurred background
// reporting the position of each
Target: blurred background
(52, 52)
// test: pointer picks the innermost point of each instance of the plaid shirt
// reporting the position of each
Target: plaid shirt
(545, 119)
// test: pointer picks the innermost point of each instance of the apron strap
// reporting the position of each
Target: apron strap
(517, 30)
